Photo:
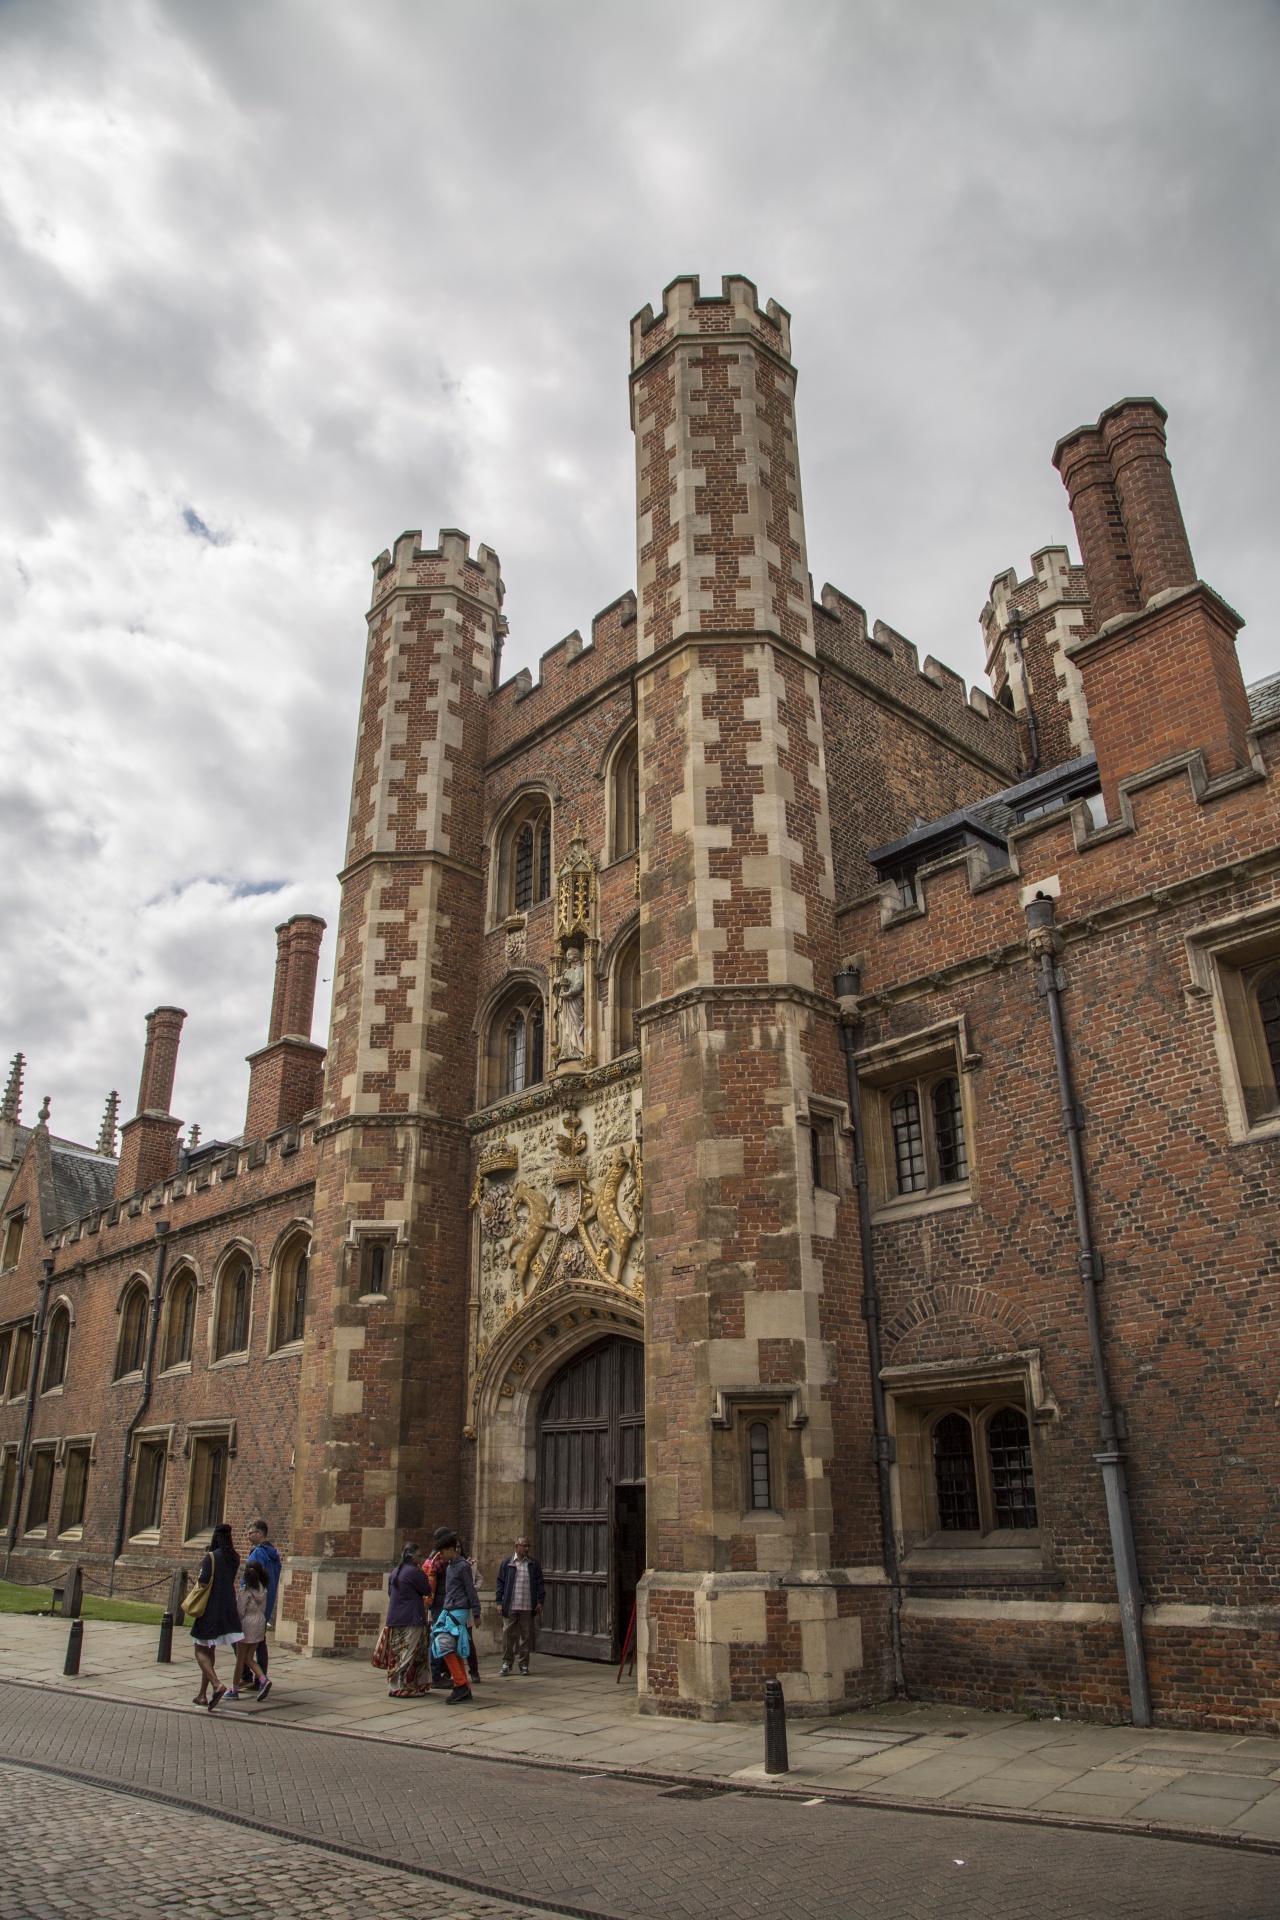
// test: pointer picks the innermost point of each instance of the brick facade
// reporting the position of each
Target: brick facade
(494, 1169)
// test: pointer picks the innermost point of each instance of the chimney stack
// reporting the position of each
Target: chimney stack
(149, 1142)
(1160, 673)
(285, 1076)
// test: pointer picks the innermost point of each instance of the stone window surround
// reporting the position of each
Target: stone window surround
(149, 1437)
(285, 1250)
(883, 1069)
(1218, 955)
(198, 1430)
(914, 1394)
(34, 1452)
(228, 1261)
(394, 1234)
(76, 1442)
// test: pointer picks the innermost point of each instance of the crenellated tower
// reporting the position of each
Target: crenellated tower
(749, 1326)
(381, 1402)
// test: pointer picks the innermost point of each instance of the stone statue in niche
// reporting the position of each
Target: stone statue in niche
(571, 988)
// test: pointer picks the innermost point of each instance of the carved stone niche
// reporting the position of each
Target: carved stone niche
(576, 945)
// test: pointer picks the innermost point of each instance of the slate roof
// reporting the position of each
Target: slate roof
(83, 1181)
(1264, 700)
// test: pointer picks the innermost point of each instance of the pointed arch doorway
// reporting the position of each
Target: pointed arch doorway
(590, 1493)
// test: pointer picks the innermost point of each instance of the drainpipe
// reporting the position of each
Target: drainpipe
(847, 983)
(33, 1384)
(1043, 942)
(1033, 736)
(148, 1371)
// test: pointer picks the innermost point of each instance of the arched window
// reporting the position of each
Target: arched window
(133, 1331)
(231, 1334)
(954, 1476)
(55, 1348)
(758, 1439)
(180, 1319)
(516, 1051)
(626, 997)
(291, 1294)
(626, 799)
(1013, 1488)
(524, 858)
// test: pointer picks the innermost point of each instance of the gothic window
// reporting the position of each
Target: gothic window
(20, 1366)
(41, 1495)
(516, 1051)
(133, 1331)
(926, 1135)
(984, 1480)
(208, 1485)
(12, 1248)
(626, 997)
(523, 854)
(180, 1319)
(235, 1291)
(291, 1295)
(375, 1270)
(822, 1152)
(75, 1487)
(626, 798)
(148, 1488)
(55, 1348)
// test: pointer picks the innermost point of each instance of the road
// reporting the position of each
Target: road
(598, 1845)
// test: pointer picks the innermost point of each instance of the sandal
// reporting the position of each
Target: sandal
(218, 1696)
(199, 1700)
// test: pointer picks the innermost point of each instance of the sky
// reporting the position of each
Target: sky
(278, 280)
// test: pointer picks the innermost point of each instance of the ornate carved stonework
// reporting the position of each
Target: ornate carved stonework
(558, 1206)
(574, 1015)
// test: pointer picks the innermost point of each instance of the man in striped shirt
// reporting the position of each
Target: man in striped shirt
(519, 1592)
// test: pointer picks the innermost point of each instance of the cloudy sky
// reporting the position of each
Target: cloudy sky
(279, 278)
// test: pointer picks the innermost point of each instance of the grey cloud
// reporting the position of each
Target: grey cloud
(311, 273)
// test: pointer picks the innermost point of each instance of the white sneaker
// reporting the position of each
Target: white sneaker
(506, 1666)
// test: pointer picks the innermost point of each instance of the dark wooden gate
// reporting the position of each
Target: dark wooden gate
(590, 1489)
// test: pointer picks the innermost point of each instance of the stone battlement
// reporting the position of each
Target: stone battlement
(567, 672)
(448, 565)
(687, 310)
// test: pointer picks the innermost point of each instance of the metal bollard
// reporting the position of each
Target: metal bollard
(775, 1729)
(164, 1652)
(72, 1662)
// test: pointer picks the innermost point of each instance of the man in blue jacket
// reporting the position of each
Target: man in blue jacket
(263, 1554)
(519, 1592)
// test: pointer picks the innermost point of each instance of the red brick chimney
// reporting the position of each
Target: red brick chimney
(285, 1075)
(1160, 672)
(149, 1142)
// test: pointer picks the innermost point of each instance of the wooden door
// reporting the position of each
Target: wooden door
(590, 1444)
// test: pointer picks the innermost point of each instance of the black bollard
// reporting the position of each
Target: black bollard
(775, 1729)
(164, 1652)
(72, 1662)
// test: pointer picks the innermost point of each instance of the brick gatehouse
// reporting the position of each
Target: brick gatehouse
(646, 971)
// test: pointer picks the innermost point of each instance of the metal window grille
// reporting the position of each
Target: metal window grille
(182, 1313)
(209, 1472)
(908, 1140)
(523, 890)
(1013, 1490)
(954, 1476)
(948, 1132)
(1269, 1009)
(516, 1044)
(74, 1487)
(759, 1443)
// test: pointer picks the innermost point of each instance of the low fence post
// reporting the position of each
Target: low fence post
(74, 1642)
(775, 1729)
(72, 1594)
(164, 1652)
(177, 1593)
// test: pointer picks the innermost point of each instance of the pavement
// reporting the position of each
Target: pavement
(570, 1713)
(214, 1805)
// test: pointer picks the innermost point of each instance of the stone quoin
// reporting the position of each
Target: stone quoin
(645, 971)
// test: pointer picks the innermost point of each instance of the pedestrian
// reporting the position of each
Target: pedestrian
(473, 1657)
(219, 1624)
(263, 1554)
(251, 1599)
(407, 1590)
(435, 1567)
(451, 1635)
(519, 1592)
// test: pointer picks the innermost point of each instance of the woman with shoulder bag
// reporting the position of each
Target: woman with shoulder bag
(407, 1589)
(218, 1622)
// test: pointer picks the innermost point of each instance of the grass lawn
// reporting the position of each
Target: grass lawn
(19, 1599)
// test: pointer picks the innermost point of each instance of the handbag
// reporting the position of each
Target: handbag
(198, 1598)
(381, 1655)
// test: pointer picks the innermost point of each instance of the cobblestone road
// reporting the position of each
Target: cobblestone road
(72, 1853)
(614, 1846)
